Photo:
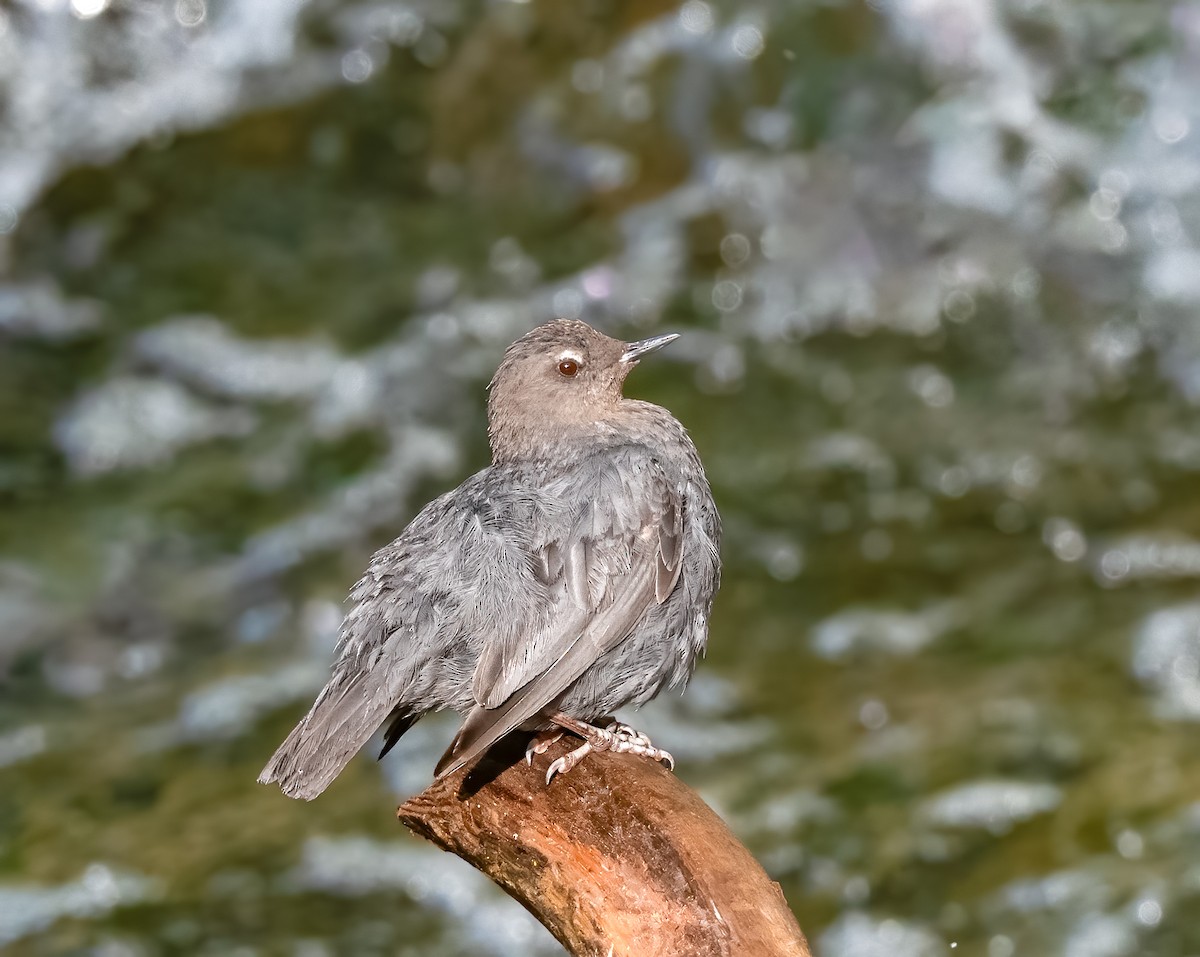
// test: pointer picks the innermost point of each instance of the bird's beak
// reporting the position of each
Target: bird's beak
(635, 350)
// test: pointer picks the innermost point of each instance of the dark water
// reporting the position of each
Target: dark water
(935, 261)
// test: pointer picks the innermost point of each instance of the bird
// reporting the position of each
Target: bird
(572, 576)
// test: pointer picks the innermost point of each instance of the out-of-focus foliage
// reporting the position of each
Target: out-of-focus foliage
(936, 264)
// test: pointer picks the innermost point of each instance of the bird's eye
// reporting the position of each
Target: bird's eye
(568, 367)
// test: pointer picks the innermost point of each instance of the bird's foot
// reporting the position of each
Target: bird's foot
(618, 738)
(632, 733)
(541, 742)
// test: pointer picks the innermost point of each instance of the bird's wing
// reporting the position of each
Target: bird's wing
(403, 617)
(610, 562)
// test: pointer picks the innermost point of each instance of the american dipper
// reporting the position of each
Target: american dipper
(571, 577)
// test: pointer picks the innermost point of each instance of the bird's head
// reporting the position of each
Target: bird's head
(559, 380)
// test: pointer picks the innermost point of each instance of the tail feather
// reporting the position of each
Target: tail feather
(399, 722)
(345, 715)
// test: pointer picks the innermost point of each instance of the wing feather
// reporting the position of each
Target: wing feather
(617, 563)
(670, 535)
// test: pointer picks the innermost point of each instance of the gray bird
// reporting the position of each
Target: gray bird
(571, 577)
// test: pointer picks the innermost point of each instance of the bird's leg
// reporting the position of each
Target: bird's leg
(618, 738)
(541, 742)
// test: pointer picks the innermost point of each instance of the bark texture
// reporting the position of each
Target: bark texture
(618, 857)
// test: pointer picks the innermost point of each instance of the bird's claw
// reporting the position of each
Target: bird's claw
(618, 738)
(541, 743)
(564, 764)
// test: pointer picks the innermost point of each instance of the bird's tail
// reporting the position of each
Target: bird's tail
(345, 715)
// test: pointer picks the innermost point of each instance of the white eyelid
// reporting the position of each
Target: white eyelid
(574, 356)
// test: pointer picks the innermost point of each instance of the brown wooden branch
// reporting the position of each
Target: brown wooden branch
(618, 857)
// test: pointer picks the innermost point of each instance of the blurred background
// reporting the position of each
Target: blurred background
(936, 266)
